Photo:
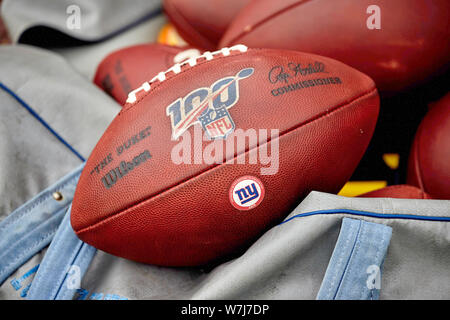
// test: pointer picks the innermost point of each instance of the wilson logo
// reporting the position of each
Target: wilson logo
(125, 167)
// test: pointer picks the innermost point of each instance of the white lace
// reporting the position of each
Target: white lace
(177, 68)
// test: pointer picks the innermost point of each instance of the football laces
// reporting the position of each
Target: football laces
(176, 68)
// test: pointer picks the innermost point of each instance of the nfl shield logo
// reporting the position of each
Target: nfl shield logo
(208, 106)
(217, 122)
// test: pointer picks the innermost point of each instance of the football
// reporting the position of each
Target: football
(126, 69)
(398, 43)
(202, 23)
(429, 166)
(400, 191)
(205, 157)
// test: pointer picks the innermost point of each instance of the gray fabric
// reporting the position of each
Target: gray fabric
(290, 260)
(31, 157)
(99, 19)
(85, 59)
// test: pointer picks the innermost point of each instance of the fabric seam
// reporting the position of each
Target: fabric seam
(341, 259)
(41, 121)
(369, 214)
(353, 252)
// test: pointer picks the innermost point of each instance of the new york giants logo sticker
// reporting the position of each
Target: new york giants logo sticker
(209, 107)
(246, 193)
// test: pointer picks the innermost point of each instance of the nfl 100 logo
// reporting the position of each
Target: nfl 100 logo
(246, 193)
(209, 107)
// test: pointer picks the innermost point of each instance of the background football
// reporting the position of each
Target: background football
(401, 191)
(126, 69)
(398, 43)
(154, 191)
(202, 23)
(429, 165)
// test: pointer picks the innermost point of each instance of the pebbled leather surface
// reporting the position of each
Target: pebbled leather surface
(124, 70)
(402, 191)
(202, 23)
(179, 215)
(429, 165)
(411, 45)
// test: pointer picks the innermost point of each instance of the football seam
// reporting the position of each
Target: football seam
(212, 167)
(417, 167)
(264, 20)
(181, 27)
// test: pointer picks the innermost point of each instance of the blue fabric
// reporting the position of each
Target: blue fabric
(64, 265)
(31, 227)
(354, 270)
